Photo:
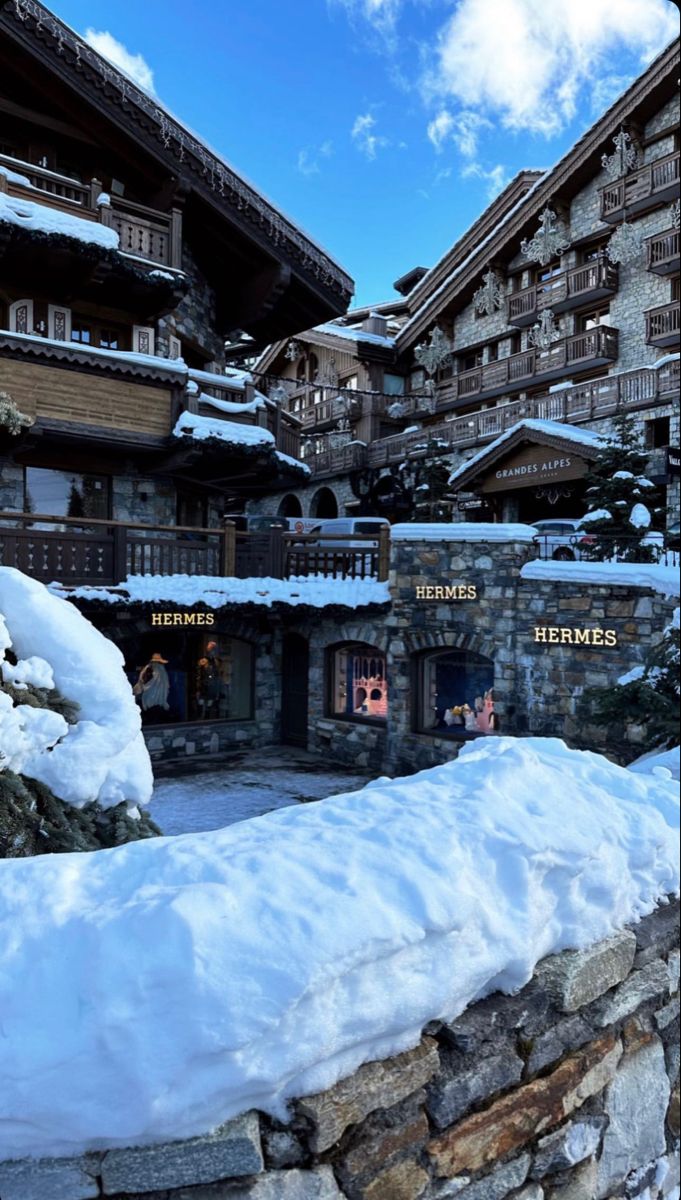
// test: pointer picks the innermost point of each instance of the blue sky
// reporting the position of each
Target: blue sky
(383, 127)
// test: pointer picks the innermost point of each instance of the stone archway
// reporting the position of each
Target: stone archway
(290, 506)
(324, 505)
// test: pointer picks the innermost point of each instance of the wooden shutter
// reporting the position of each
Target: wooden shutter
(59, 322)
(174, 347)
(21, 316)
(143, 339)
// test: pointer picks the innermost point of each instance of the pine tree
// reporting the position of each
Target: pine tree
(617, 492)
(647, 698)
(432, 489)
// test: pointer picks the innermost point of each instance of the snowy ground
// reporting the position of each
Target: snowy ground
(199, 802)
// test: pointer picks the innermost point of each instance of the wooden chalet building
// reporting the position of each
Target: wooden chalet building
(560, 305)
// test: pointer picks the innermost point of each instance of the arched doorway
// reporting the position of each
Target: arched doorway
(324, 505)
(295, 669)
(290, 507)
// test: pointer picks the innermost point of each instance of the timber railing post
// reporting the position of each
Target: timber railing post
(384, 553)
(229, 549)
(120, 553)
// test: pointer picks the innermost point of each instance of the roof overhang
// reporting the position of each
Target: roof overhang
(526, 457)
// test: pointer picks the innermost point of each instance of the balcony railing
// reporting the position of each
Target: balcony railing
(578, 353)
(662, 325)
(284, 426)
(145, 233)
(591, 281)
(662, 250)
(78, 552)
(654, 184)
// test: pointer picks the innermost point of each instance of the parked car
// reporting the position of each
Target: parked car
(673, 542)
(354, 528)
(562, 538)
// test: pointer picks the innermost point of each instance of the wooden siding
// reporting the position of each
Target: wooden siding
(53, 393)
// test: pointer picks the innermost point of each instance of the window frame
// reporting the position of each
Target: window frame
(419, 663)
(330, 689)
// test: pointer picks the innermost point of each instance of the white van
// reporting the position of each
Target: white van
(363, 527)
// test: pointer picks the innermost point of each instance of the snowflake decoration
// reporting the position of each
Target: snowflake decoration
(545, 332)
(551, 239)
(624, 245)
(434, 353)
(623, 160)
(490, 296)
(293, 351)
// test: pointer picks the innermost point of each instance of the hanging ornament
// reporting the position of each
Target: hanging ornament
(551, 239)
(490, 296)
(676, 214)
(545, 332)
(623, 160)
(329, 376)
(434, 353)
(293, 351)
(625, 244)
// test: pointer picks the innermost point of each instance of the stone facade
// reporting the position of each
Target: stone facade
(568, 1090)
(195, 318)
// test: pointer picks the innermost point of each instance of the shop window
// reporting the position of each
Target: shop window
(359, 689)
(192, 677)
(657, 433)
(66, 493)
(455, 694)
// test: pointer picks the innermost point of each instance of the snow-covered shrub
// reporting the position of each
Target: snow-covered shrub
(74, 770)
(10, 417)
(618, 519)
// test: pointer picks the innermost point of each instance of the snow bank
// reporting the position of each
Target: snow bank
(464, 531)
(315, 590)
(103, 756)
(178, 981)
(614, 574)
(41, 219)
(659, 762)
(201, 428)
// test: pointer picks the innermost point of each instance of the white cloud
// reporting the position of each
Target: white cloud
(308, 159)
(528, 61)
(463, 129)
(440, 128)
(133, 65)
(380, 15)
(495, 179)
(364, 137)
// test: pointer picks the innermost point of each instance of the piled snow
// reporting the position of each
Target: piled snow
(232, 406)
(570, 433)
(463, 531)
(41, 219)
(640, 517)
(598, 514)
(615, 574)
(316, 590)
(658, 762)
(143, 966)
(103, 756)
(356, 335)
(34, 671)
(203, 428)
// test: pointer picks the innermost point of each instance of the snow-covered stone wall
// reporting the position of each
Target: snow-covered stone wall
(567, 1090)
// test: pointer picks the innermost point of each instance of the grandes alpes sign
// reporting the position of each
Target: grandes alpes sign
(531, 467)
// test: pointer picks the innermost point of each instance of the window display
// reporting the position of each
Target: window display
(456, 694)
(359, 685)
(181, 677)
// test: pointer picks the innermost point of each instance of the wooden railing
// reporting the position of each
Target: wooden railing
(559, 292)
(650, 185)
(339, 556)
(663, 252)
(145, 233)
(662, 325)
(284, 426)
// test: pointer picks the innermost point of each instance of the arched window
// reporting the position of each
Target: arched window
(290, 506)
(324, 505)
(357, 685)
(455, 694)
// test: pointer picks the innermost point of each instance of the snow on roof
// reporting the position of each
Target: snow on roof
(39, 218)
(405, 893)
(356, 335)
(103, 756)
(556, 428)
(317, 591)
(201, 429)
(613, 574)
(463, 531)
(176, 366)
(232, 406)
(288, 461)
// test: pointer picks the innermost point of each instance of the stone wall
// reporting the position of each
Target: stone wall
(195, 317)
(568, 1090)
(269, 505)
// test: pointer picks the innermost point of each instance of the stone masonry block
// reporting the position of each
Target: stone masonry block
(580, 1186)
(517, 1118)
(50, 1178)
(636, 1104)
(499, 1182)
(567, 1146)
(405, 1181)
(450, 1096)
(642, 985)
(657, 933)
(576, 977)
(230, 1151)
(375, 1085)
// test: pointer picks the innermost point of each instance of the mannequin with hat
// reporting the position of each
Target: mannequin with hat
(152, 687)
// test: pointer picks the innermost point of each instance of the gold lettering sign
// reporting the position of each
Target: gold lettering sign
(531, 467)
(557, 635)
(182, 619)
(460, 591)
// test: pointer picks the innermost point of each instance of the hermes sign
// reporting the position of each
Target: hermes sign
(533, 466)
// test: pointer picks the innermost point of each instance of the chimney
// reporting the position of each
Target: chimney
(375, 323)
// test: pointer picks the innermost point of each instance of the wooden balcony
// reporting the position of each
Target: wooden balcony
(145, 233)
(652, 185)
(239, 405)
(580, 285)
(662, 325)
(662, 251)
(581, 352)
